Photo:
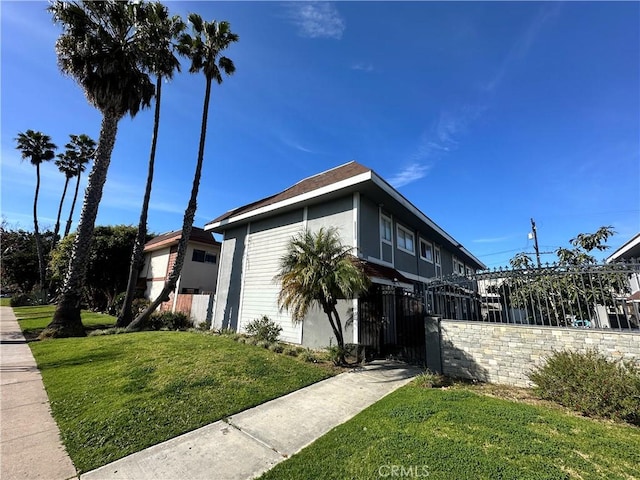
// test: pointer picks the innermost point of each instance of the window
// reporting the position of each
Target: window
(203, 257)
(426, 251)
(405, 240)
(469, 271)
(458, 266)
(385, 229)
(438, 260)
(437, 257)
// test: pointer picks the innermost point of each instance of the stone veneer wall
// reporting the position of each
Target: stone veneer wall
(502, 353)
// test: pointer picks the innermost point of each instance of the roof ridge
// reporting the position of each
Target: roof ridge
(324, 173)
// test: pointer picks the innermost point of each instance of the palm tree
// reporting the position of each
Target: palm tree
(203, 50)
(165, 30)
(38, 148)
(318, 270)
(85, 148)
(102, 47)
(66, 164)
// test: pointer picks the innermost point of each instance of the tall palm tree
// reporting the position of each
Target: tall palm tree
(318, 270)
(85, 148)
(163, 63)
(67, 165)
(38, 148)
(203, 49)
(102, 47)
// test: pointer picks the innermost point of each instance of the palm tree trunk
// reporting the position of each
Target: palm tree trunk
(73, 204)
(42, 267)
(57, 228)
(137, 256)
(66, 319)
(187, 224)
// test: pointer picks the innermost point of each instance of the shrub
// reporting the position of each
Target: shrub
(308, 356)
(167, 321)
(276, 347)
(263, 344)
(20, 300)
(429, 379)
(291, 351)
(591, 384)
(264, 329)
(335, 354)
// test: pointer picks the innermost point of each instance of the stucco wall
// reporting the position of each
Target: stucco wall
(229, 281)
(317, 331)
(200, 275)
(504, 354)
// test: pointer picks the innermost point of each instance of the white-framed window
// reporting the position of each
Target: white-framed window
(426, 251)
(458, 266)
(385, 229)
(438, 261)
(406, 241)
(468, 271)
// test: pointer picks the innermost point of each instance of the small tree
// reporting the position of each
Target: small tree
(107, 264)
(568, 287)
(318, 270)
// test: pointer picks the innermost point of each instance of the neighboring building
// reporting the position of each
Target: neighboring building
(629, 252)
(402, 248)
(199, 271)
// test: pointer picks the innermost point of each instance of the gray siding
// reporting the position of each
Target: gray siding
(287, 218)
(334, 213)
(230, 279)
(370, 230)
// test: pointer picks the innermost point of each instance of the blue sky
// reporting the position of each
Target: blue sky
(483, 114)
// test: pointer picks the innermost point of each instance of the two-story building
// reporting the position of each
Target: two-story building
(199, 272)
(402, 249)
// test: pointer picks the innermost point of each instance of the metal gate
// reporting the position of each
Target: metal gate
(391, 323)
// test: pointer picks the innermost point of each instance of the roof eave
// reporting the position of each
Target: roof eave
(347, 182)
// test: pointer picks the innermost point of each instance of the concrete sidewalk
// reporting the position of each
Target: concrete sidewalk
(251, 442)
(30, 445)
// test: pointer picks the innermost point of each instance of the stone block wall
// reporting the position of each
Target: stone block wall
(502, 353)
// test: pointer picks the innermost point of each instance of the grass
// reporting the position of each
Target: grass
(33, 320)
(114, 395)
(457, 433)
(5, 302)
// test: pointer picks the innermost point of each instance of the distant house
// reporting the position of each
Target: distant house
(629, 252)
(199, 272)
(401, 247)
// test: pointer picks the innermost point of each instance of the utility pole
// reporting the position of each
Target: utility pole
(535, 242)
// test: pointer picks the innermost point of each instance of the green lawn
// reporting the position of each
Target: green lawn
(33, 320)
(458, 434)
(114, 395)
(5, 302)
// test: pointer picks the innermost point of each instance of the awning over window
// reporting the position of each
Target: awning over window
(385, 275)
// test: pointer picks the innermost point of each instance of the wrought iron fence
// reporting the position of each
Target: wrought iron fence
(592, 296)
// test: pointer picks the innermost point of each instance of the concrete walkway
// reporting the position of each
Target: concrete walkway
(251, 442)
(30, 446)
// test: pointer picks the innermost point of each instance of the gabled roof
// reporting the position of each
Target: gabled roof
(170, 238)
(315, 182)
(345, 176)
(630, 249)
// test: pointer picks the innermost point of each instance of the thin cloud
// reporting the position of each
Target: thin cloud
(409, 174)
(317, 20)
(295, 145)
(493, 239)
(523, 44)
(362, 67)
